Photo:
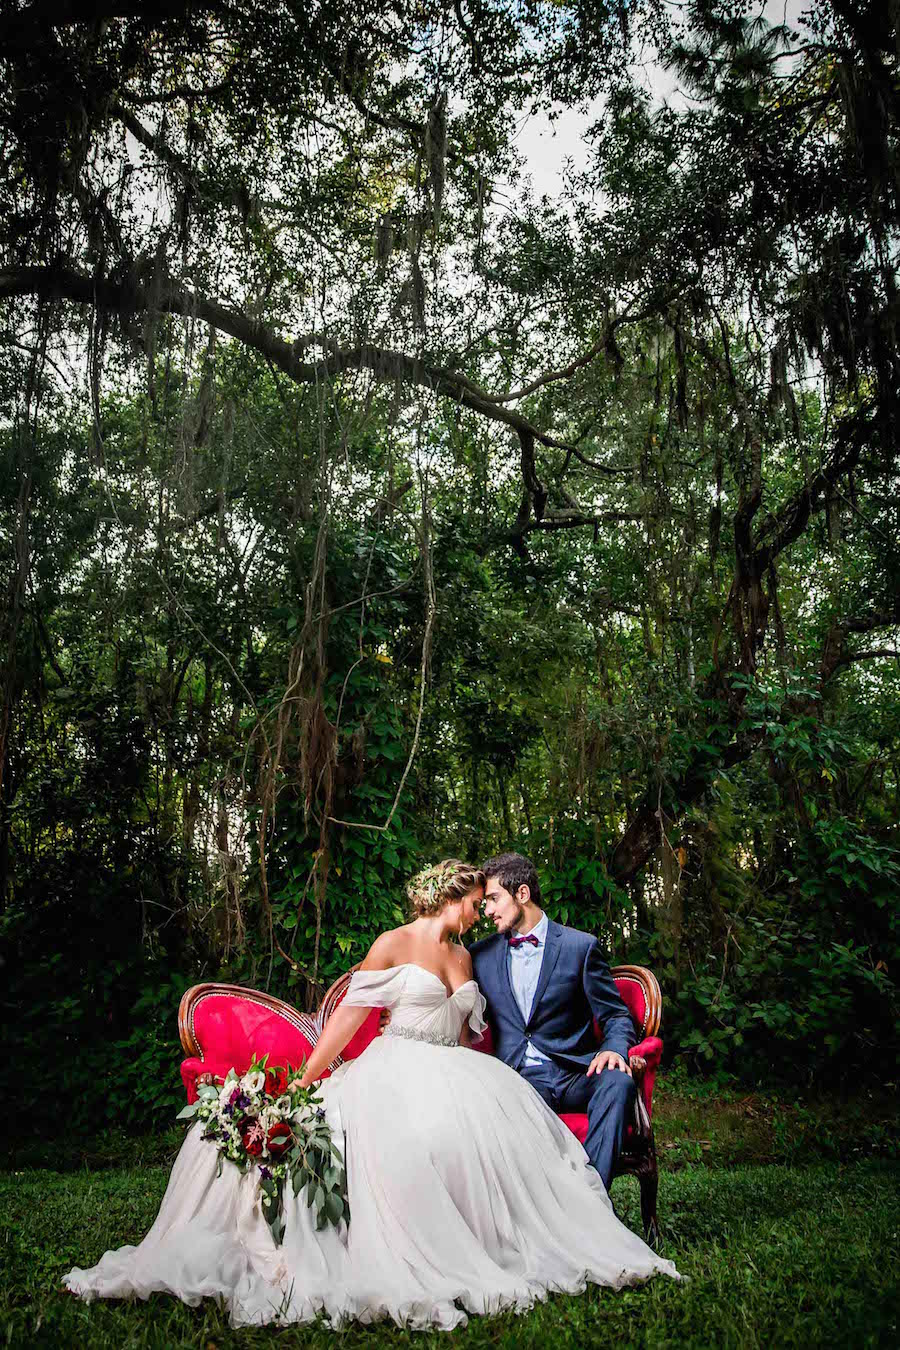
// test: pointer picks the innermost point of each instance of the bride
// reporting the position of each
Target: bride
(466, 1192)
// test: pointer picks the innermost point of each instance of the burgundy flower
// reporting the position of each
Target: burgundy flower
(253, 1140)
(276, 1081)
(279, 1139)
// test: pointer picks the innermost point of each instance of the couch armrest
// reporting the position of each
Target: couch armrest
(644, 1060)
(650, 1050)
(191, 1069)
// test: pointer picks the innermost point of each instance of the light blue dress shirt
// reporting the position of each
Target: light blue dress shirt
(524, 965)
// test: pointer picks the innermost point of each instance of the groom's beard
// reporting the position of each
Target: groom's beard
(513, 923)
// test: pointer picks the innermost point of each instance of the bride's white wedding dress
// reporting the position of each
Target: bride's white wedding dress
(465, 1190)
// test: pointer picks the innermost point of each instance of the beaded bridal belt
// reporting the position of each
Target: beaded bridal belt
(410, 1034)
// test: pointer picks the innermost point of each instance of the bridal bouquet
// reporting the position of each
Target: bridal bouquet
(265, 1119)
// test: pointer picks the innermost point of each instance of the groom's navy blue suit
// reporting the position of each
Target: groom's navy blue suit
(574, 988)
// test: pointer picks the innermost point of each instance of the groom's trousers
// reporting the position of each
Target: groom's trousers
(607, 1097)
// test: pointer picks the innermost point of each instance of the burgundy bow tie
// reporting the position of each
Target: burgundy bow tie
(529, 937)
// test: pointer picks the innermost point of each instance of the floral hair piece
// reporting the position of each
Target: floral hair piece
(441, 882)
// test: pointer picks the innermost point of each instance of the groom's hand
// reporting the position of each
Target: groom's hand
(384, 1020)
(608, 1059)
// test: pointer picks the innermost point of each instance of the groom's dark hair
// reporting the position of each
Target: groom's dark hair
(513, 870)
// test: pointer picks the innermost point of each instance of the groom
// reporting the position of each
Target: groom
(545, 985)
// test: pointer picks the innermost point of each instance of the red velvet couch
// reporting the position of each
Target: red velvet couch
(223, 1026)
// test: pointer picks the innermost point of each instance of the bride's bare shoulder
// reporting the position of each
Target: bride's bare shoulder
(465, 960)
(387, 950)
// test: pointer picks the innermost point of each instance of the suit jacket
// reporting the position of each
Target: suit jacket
(575, 987)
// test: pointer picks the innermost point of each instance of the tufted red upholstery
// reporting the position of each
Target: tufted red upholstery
(632, 993)
(228, 1027)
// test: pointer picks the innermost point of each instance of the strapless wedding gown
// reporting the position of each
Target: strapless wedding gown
(467, 1194)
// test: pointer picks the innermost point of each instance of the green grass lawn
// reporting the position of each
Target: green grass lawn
(782, 1248)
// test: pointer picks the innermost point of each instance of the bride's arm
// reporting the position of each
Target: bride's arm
(340, 1027)
(343, 1023)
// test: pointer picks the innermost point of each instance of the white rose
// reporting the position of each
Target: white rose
(253, 1082)
(267, 1118)
(225, 1091)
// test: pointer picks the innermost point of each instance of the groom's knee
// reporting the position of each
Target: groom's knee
(614, 1089)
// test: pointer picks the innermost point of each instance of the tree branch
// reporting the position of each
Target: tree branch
(870, 655)
(604, 344)
(571, 520)
(834, 652)
(132, 295)
(791, 519)
(154, 144)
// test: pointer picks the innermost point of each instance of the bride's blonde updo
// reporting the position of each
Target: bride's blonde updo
(436, 886)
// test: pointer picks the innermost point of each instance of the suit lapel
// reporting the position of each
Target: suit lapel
(504, 983)
(551, 956)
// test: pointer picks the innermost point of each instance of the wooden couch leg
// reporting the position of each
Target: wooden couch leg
(649, 1182)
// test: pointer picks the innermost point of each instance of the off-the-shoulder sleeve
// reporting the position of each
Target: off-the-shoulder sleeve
(476, 1011)
(375, 988)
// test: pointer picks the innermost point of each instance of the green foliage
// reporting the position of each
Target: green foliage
(811, 1008)
(113, 1045)
(619, 470)
(143, 1056)
(578, 890)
